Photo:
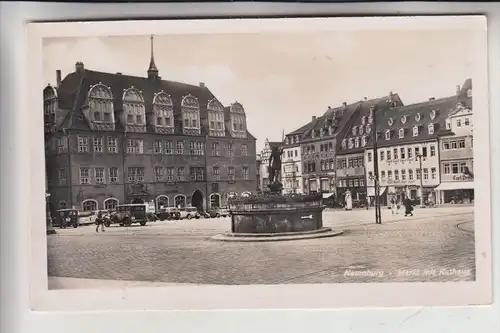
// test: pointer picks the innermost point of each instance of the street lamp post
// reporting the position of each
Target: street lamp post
(421, 180)
(378, 214)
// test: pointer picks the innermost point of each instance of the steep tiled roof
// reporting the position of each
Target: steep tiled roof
(360, 122)
(419, 114)
(74, 87)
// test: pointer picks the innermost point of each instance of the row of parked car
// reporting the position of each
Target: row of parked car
(125, 215)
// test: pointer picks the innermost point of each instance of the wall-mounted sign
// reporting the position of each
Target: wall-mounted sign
(462, 178)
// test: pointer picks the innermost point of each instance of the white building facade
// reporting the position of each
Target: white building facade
(291, 168)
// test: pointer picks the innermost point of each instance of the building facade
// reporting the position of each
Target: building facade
(457, 155)
(291, 167)
(408, 149)
(350, 170)
(114, 139)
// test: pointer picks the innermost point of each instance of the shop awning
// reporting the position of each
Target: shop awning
(327, 195)
(455, 186)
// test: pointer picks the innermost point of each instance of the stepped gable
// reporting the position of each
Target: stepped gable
(363, 126)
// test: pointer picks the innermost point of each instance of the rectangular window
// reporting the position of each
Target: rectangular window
(98, 144)
(361, 182)
(403, 175)
(369, 156)
(157, 147)
(216, 173)
(295, 151)
(402, 153)
(426, 174)
(467, 122)
(244, 150)
(215, 149)
(62, 176)
(395, 153)
(192, 149)
(446, 145)
(61, 144)
(130, 119)
(136, 174)
(83, 144)
(135, 146)
(459, 122)
(417, 151)
(230, 173)
(180, 148)
(389, 175)
(229, 149)
(433, 150)
(113, 175)
(463, 167)
(410, 174)
(99, 175)
(170, 174)
(158, 173)
(424, 151)
(461, 143)
(453, 145)
(197, 173)
(381, 155)
(433, 173)
(389, 156)
(396, 175)
(200, 151)
(351, 163)
(112, 145)
(84, 176)
(245, 173)
(181, 174)
(446, 168)
(410, 151)
(356, 182)
(418, 174)
(382, 175)
(169, 147)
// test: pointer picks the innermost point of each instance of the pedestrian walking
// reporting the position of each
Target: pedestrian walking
(99, 221)
(408, 206)
(393, 206)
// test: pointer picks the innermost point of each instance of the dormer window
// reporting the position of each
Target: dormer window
(433, 114)
(190, 109)
(321, 133)
(360, 130)
(387, 135)
(403, 120)
(163, 111)
(390, 122)
(351, 143)
(448, 124)
(368, 129)
(313, 134)
(297, 139)
(415, 130)
(363, 120)
(354, 130)
(356, 142)
(344, 144)
(460, 105)
(469, 93)
(330, 130)
(401, 133)
(101, 107)
(370, 119)
(417, 117)
(134, 108)
(431, 129)
(215, 112)
(363, 141)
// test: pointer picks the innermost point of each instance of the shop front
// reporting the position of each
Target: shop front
(456, 192)
(382, 195)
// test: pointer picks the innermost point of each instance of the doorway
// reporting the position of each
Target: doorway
(214, 200)
(197, 200)
(137, 201)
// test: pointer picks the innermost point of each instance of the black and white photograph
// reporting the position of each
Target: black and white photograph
(351, 153)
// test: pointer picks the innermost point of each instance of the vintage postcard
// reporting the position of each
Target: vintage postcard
(282, 163)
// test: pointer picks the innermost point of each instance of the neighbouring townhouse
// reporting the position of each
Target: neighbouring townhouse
(291, 167)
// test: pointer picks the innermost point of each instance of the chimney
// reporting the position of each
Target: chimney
(58, 78)
(313, 118)
(202, 84)
(431, 98)
(366, 98)
(118, 73)
(344, 104)
(79, 67)
(458, 89)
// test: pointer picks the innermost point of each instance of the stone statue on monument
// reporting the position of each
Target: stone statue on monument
(274, 169)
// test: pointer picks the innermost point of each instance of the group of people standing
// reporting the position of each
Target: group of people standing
(405, 202)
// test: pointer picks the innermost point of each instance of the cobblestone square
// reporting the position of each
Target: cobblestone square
(437, 244)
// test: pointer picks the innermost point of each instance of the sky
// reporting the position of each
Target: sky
(282, 80)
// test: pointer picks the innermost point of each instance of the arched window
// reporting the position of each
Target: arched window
(417, 117)
(238, 120)
(415, 130)
(100, 100)
(344, 144)
(162, 201)
(332, 166)
(246, 194)
(133, 105)
(180, 201)
(216, 118)
(356, 142)
(431, 129)
(49, 103)
(190, 115)
(62, 204)
(351, 143)
(215, 200)
(387, 135)
(401, 133)
(110, 203)
(89, 205)
(163, 110)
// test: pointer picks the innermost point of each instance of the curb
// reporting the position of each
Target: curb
(237, 238)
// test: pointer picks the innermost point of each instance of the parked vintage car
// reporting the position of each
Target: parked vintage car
(168, 213)
(66, 217)
(212, 213)
(130, 213)
(189, 213)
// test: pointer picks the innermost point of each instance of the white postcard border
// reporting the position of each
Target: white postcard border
(252, 297)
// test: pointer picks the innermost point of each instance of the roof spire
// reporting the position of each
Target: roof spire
(152, 71)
